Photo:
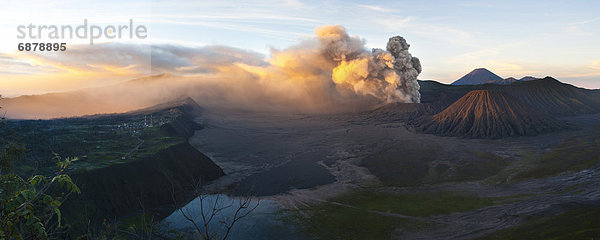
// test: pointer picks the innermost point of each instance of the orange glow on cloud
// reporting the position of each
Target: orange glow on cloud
(331, 72)
(46, 76)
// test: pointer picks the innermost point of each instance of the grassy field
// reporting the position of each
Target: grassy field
(572, 154)
(413, 204)
(416, 163)
(329, 221)
(375, 213)
(369, 213)
(579, 223)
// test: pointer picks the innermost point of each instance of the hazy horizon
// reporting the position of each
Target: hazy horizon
(451, 39)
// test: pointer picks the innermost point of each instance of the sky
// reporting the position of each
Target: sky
(451, 38)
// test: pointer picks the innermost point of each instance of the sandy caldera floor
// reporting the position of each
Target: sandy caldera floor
(301, 159)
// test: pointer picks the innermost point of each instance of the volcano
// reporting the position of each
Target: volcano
(546, 95)
(550, 96)
(478, 76)
(489, 114)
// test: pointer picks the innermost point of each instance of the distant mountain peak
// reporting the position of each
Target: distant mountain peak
(478, 76)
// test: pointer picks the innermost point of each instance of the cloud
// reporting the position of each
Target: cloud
(509, 68)
(474, 56)
(85, 66)
(587, 21)
(414, 25)
(375, 8)
(241, 26)
(330, 72)
(594, 65)
(185, 60)
(142, 59)
(11, 65)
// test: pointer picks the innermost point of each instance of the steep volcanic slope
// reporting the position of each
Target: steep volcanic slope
(488, 114)
(477, 76)
(550, 96)
(546, 95)
(163, 169)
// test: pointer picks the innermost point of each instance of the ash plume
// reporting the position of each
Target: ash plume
(332, 72)
(336, 67)
(390, 76)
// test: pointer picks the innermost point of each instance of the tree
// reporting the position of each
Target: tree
(206, 223)
(29, 209)
(211, 209)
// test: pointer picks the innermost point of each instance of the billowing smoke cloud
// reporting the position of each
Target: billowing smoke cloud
(336, 61)
(390, 76)
(332, 72)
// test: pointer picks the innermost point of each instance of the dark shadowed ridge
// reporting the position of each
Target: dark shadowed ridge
(489, 114)
(185, 104)
(511, 80)
(505, 81)
(483, 76)
(188, 103)
(553, 97)
(527, 78)
(546, 95)
(477, 76)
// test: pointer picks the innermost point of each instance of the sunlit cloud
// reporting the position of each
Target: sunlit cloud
(449, 37)
(12, 65)
(103, 64)
(594, 65)
(375, 8)
(512, 68)
(475, 56)
(584, 21)
(439, 32)
(243, 27)
(244, 17)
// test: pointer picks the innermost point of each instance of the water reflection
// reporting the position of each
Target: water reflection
(266, 221)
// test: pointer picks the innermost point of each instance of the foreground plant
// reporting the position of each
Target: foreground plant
(30, 208)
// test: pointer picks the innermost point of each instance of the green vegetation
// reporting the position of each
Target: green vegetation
(30, 207)
(480, 165)
(372, 214)
(580, 223)
(97, 141)
(403, 165)
(571, 154)
(108, 150)
(413, 204)
(328, 221)
(416, 163)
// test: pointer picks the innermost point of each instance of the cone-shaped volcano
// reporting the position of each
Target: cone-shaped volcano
(489, 114)
(478, 76)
